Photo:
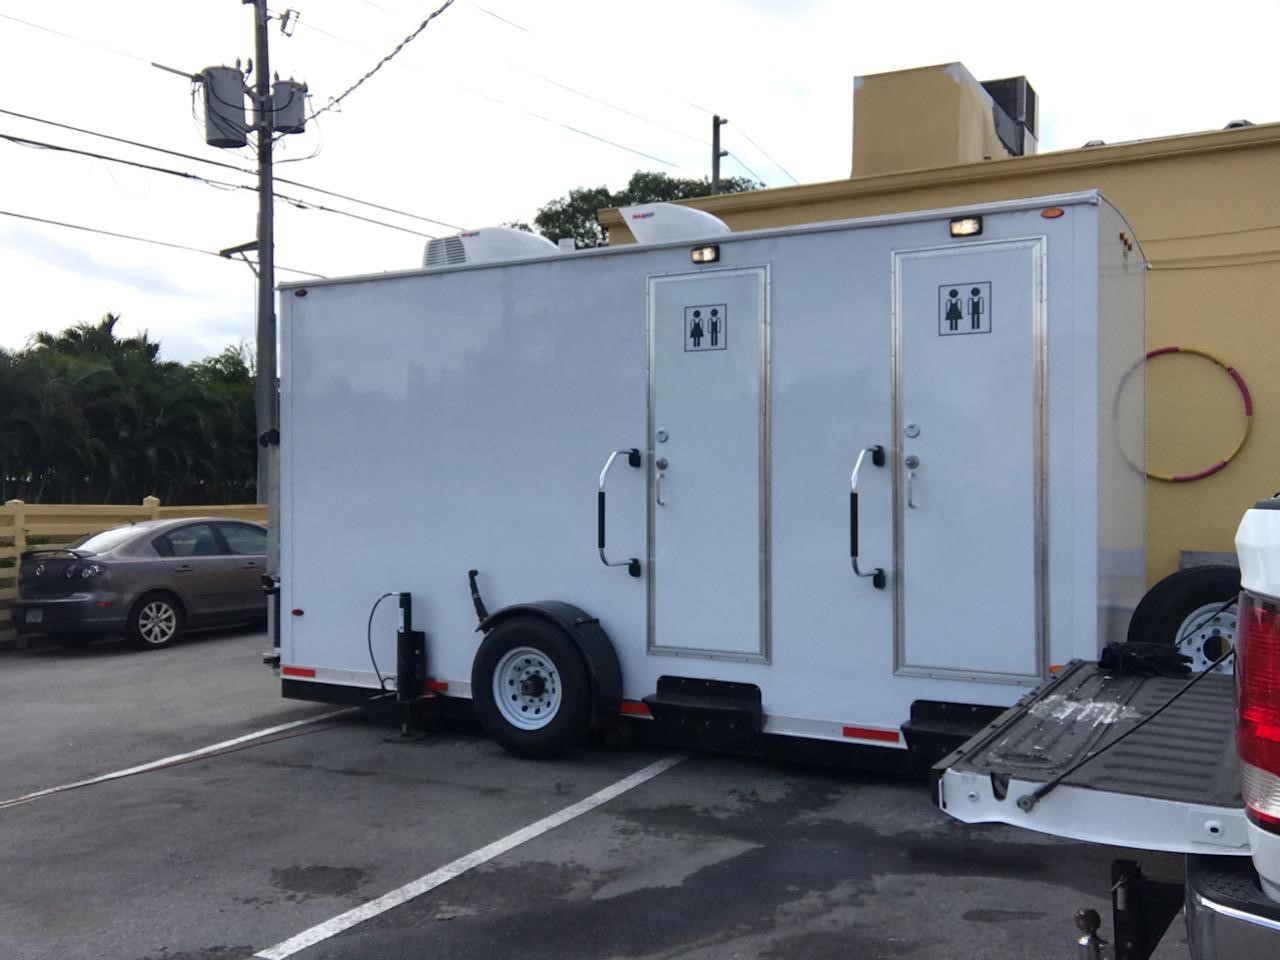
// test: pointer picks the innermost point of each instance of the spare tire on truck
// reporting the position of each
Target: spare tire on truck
(1194, 609)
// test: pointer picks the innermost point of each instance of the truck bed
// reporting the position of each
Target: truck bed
(1172, 785)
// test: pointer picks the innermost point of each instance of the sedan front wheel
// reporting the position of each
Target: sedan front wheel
(154, 621)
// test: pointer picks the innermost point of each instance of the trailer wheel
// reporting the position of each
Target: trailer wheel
(1186, 608)
(531, 688)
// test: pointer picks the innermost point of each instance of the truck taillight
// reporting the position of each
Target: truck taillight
(1257, 675)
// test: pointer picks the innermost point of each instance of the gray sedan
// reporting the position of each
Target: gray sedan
(148, 580)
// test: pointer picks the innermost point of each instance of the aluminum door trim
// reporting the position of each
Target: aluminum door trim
(763, 341)
(1039, 346)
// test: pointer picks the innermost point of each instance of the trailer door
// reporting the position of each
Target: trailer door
(969, 338)
(709, 467)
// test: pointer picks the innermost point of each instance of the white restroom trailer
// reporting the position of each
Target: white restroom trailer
(854, 482)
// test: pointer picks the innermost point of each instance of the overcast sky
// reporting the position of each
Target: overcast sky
(469, 124)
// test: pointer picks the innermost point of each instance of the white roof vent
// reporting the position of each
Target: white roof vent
(663, 222)
(488, 245)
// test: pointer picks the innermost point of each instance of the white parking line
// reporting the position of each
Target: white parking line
(388, 901)
(176, 758)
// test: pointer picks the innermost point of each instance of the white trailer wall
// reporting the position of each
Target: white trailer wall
(443, 420)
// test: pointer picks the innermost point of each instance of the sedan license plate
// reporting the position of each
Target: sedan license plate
(35, 616)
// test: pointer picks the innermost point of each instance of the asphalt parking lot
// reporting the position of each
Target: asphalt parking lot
(447, 847)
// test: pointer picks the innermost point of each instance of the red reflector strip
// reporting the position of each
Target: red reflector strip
(634, 708)
(437, 686)
(298, 671)
(870, 733)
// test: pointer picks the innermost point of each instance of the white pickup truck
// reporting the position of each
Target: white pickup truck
(1183, 764)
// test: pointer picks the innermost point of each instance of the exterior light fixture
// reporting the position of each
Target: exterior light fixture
(966, 226)
(707, 254)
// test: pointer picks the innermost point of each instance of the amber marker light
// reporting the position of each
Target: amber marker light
(1052, 213)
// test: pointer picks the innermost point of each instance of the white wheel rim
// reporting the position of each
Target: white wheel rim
(157, 622)
(1206, 634)
(526, 688)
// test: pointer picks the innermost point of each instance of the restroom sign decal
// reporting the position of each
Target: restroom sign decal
(706, 327)
(964, 308)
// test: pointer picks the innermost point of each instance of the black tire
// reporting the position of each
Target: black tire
(553, 671)
(155, 621)
(1161, 614)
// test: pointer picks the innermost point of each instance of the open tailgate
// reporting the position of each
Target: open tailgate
(1172, 785)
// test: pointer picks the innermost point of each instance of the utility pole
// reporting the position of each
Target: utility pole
(264, 396)
(278, 107)
(266, 389)
(716, 153)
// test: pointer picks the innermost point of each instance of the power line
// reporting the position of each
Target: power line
(766, 155)
(498, 16)
(68, 36)
(612, 106)
(754, 176)
(228, 166)
(334, 101)
(223, 184)
(525, 29)
(129, 236)
(538, 116)
(612, 143)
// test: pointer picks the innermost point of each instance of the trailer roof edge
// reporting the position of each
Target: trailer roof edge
(1092, 197)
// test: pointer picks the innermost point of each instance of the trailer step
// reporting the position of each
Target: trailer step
(707, 705)
(938, 727)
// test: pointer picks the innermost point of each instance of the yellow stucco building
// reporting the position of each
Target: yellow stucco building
(1206, 210)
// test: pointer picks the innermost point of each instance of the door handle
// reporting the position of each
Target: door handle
(662, 465)
(633, 459)
(183, 568)
(877, 459)
(911, 463)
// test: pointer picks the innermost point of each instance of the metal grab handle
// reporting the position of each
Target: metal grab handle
(661, 472)
(877, 458)
(911, 489)
(633, 458)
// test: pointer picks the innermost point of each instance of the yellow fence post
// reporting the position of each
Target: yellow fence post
(19, 544)
(19, 526)
(152, 504)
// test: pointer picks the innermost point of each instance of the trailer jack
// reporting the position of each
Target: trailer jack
(411, 669)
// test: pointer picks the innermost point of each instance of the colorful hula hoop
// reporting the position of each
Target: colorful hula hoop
(1248, 415)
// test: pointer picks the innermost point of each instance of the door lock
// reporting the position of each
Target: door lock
(661, 463)
(912, 462)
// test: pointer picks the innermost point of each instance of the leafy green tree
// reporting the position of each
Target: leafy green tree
(87, 416)
(574, 215)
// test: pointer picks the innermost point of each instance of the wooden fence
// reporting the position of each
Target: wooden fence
(27, 525)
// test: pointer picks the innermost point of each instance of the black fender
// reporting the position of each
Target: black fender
(592, 642)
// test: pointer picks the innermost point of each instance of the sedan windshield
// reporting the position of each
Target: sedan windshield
(107, 540)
